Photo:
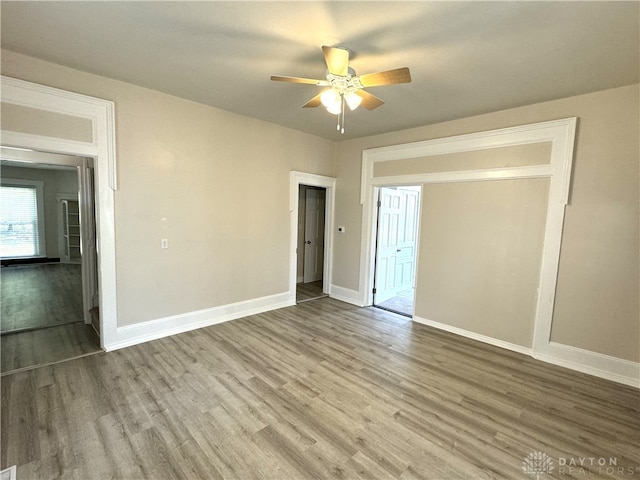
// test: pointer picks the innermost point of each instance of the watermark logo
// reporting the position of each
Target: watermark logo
(537, 463)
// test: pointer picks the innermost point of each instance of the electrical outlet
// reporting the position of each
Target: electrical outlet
(164, 243)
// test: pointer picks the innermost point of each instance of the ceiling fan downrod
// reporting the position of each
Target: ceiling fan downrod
(340, 126)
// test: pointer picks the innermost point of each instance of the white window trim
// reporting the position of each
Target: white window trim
(39, 186)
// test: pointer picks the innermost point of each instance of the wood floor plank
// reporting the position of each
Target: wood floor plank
(23, 444)
(318, 390)
(44, 346)
(40, 295)
(309, 291)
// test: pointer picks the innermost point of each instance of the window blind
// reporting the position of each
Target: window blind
(19, 235)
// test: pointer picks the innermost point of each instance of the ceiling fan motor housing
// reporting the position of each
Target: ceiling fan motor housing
(344, 83)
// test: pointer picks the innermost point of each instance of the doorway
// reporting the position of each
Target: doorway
(396, 248)
(311, 243)
(296, 180)
(49, 291)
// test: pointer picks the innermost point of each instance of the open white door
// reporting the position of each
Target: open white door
(396, 242)
(314, 234)
(88, 239)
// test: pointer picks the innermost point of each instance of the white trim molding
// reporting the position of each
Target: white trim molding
(561, 135)
(474, 336)
(102, 149)
(163, 327)
(593, 363)
(9, 473)
(329, 184)
(560, 132)
(346, 295)
(100, 112)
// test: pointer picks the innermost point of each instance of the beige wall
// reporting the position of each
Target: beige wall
(597, 295)
(502, 157)
(54, 182)
(215, 184)
(479, 261)
(17, 118)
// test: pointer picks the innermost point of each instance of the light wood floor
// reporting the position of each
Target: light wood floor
(318, 390)
(41, 316)
(309, 291)
(46, 345)
(42, 295)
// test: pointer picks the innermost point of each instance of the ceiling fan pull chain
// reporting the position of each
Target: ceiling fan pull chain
(342, 113)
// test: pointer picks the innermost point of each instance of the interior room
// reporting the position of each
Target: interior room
(42, 319)
(320, 240)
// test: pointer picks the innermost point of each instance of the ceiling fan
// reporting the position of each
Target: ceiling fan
(345, 87)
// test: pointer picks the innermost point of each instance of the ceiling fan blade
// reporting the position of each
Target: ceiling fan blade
(369, 101)
(337, 60)
(398, 75)
(309, 81)
(314, 102)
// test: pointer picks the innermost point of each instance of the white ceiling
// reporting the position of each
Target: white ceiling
(466, 58)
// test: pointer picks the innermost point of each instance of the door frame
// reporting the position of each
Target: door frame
(329, 184)
(101, 147)
(561, 135)
(416, 252)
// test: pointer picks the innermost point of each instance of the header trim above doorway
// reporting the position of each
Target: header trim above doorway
(560, 133)
(101, 114)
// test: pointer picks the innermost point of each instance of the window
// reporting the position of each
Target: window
(21, 218)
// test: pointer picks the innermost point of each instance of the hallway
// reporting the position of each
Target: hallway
(41, 316)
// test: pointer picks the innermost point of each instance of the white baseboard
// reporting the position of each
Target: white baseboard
(346, 295)
(585, 361)
(8, 473)
(163, 327)
(474, 336)
(593, 363)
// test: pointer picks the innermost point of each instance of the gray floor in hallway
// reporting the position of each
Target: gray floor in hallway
(43, 295)
(309, 291)
(41, 316)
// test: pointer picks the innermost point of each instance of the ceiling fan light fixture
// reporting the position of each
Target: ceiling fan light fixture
(345, 87)
(332, 100)
(335, 109)
(353, 100)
